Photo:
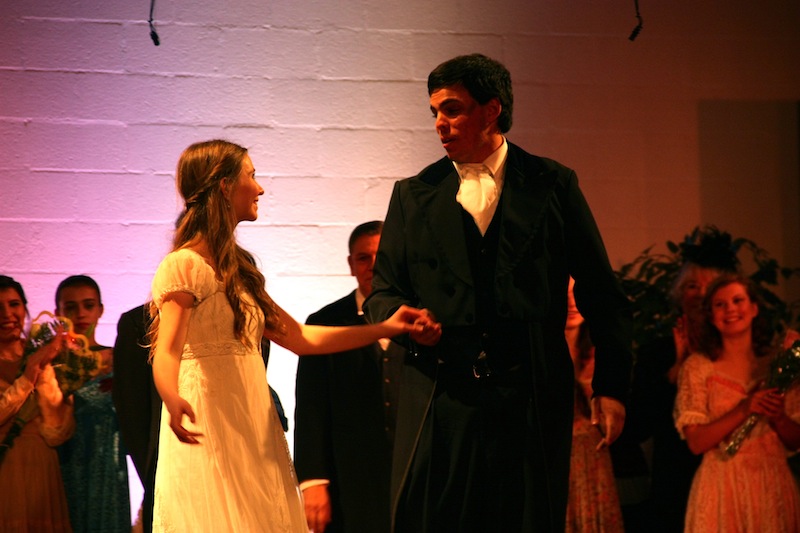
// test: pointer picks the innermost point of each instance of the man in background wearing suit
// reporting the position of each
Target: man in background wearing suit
(486, 239)
(345, 414)
(137, 402)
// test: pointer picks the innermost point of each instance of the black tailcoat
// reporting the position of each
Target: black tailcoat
(137, 402)
(546, 234)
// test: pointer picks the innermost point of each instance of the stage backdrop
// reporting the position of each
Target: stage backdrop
(694, 122)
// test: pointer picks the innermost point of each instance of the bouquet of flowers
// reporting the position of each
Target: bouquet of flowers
(784, 371)
(76, 364)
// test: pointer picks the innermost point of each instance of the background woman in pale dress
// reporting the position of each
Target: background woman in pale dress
(31, 490)
(717, 390)
(223, 460)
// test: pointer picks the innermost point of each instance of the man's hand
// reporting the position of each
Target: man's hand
(608, 414)
(318, 507)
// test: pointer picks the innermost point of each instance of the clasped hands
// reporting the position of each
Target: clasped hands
(425, 330)
(41, 358)
(418, 323)
(768, 403)
(40, 372)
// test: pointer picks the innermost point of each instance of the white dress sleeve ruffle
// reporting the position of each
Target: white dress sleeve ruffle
(183, 271)
(691, 403)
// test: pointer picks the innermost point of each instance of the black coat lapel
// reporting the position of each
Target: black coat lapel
(435, 194)
(527, 189)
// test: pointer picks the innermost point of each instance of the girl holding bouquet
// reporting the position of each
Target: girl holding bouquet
(223, 461)
(752, 490)
(34, 417)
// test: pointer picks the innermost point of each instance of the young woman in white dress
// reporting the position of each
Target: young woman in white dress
(223, 461)
(718, 389)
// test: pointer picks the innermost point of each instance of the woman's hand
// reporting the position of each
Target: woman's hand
(773, 406)
(768, 403)
(41, 358)
(178, 407)
(56, 409)
(47, 387)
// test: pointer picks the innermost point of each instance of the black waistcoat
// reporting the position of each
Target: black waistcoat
(505, 342)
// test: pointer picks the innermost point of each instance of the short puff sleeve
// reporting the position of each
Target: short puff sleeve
(183, 271)
(691, 403)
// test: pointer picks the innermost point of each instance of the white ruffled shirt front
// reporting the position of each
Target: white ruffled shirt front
(480, 185)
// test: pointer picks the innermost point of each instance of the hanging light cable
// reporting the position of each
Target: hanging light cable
(638, 28)
(153, 34)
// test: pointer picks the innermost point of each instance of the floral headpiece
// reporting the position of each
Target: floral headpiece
(710, 248)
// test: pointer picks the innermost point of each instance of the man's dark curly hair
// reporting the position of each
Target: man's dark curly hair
(484, 79)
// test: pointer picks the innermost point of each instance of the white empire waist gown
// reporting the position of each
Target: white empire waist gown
(240, 478)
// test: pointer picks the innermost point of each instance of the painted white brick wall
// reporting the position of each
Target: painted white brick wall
(330, 98)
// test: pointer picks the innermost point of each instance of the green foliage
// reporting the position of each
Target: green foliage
(648, 279)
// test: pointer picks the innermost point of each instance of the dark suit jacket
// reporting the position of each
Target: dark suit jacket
(339, 426)
(547, 233)
(137, 401)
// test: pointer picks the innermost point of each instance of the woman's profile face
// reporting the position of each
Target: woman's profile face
(12, 315)
(245, 192)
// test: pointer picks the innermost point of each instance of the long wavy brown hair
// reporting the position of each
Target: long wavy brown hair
(202, 169)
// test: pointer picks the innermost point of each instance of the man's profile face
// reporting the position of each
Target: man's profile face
(468, 130)
(362, 260)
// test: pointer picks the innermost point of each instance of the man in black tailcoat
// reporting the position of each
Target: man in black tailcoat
(485, 239)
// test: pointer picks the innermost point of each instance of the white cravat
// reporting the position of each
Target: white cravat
(478, 193)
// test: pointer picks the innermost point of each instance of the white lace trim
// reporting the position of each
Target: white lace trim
(689, 418)
(178, 288)
(216, 349)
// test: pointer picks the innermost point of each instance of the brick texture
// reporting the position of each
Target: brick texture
(330, 98)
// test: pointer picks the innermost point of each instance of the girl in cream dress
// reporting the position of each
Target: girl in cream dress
(223, 464)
